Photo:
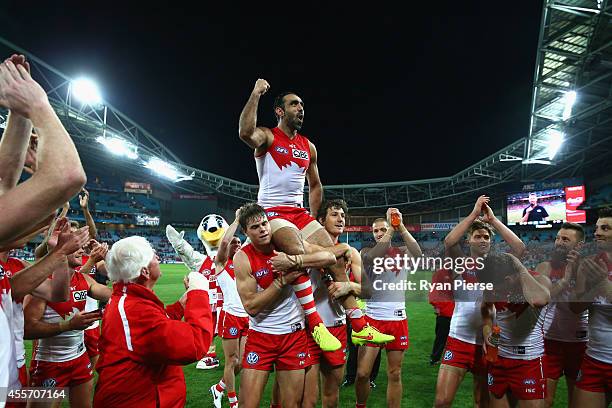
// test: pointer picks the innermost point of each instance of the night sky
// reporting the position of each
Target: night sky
(389, 94)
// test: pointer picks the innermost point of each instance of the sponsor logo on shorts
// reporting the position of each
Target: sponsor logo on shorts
(272, 214)
(529, 381)
(448, 355)
(282, 150)
(403, 338)
(490, 379)
(233, 331)
(301, 355)
(295, 327)
(49, 383)
(518, 349)
(252, 358)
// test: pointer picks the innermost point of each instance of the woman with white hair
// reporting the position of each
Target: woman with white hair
(143, 344)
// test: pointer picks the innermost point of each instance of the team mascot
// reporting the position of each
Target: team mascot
(210, 231)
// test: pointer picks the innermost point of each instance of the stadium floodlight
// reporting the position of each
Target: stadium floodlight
(86, 91)
(119, 146)
(555, 140)
(166, 170)
(570, 98)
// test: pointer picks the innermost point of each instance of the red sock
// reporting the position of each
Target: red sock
(303, 290)
(233, 399)
(358, 322)
(220, 386)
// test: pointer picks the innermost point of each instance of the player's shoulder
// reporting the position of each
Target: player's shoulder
(543, 268)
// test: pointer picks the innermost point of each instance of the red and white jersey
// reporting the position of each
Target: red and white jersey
(466, 323)
(560, 323)
(68, 345)
(331, 311)
(208, 269)
(91, 304)
(387, 302)
(282, 170)
(226, 280)
(599, 346)
(11, 267)
(9, 374)
(286, 315)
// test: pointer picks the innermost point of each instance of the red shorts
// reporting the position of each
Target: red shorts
(562, 358)
(65, 374)
(282, 351)
(594, 375)
(397, 328)
(231, 326)
(298, 216)
(464, 355)
(92, 338)
(524, 378)
(333, 358)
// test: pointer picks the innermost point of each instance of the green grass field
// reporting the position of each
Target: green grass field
(419, 379)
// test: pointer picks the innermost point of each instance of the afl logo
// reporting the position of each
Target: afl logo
(233, 331)
(282, 150)
(271, 214)
(490, 379)
(261, 272)
(252, 358)
(448, 355)
(529, 381)
(49, 383)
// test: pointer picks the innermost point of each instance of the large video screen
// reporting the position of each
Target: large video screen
(546, 207)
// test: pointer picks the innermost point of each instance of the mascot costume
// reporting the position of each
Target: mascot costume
(210, 232)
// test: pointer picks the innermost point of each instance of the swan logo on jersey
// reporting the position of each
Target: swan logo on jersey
(271, 214)
(252, 358)
(490, 379)
(49, 383)
(233, 331)
(448, 355)
(79, 295)
(299, 154)
(282, 150)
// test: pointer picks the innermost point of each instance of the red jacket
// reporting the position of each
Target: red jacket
(442, 300)
(143, 347)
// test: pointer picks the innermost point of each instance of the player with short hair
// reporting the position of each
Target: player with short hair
(284, 160)
(463, 347)
(565, 332)
(534, 212)
(516, 305)
(593, 291)
(276, 339)
(386, 309)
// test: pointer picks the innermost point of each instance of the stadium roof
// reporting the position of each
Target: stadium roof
(574, 54)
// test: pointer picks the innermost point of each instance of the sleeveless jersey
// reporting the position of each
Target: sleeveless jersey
(282, 170)
(68, 345)
(560, 323)
(285, 315)
(227, 282)
(466, 322)
(599, 346)
(91, 304)
(522, 330)
(388, 303)
(331, 311)
(208, 269)
(11, 267)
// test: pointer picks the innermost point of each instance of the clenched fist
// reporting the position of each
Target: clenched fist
(261, 87)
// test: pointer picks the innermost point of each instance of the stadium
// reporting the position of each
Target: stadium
(137, 186)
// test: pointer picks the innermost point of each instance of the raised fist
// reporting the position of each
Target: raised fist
(261, 87)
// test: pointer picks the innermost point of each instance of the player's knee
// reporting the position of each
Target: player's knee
(362, 375)
(330, 399)
(394, 374)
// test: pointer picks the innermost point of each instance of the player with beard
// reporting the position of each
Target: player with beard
(276, 339)
(463, 347)
(516, 304)
(565, 333)
(233, 323)
(593, 291)
(59, 357)
(284, 159)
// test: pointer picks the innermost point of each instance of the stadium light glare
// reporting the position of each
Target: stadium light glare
(119, 146)
(570, 99)
(555, 140)
(166, 170)
(86, 91)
